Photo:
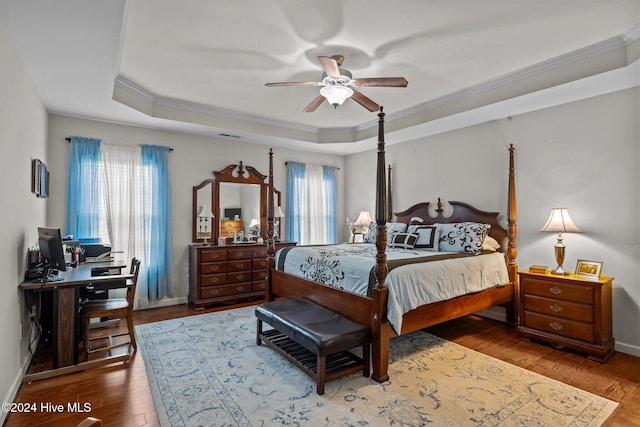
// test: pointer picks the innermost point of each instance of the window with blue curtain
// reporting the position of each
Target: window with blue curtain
(84, 190)
(312, 204)
(93, 170)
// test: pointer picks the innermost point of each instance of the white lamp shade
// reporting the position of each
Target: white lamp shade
(336, 95)
(560, 222)
(204, 212)
(363, 219)
(278, 213)
(254, 223)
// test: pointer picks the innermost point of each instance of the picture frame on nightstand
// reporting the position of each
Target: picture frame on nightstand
(588, 269)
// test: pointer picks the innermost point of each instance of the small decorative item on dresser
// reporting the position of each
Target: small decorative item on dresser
(541, 269)
(588, 269)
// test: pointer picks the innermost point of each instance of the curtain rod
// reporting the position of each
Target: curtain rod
(335, 167)
(69, 140)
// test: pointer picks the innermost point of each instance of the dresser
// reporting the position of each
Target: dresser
(227, 273)
(567, 311)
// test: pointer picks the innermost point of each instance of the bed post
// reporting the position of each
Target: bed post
(271, 249)
(389, 198)
(380, 329)
(512, 251)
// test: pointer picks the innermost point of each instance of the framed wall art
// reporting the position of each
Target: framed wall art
(39, 178)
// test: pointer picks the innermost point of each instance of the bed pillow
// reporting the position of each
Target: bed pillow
(465, 237)
(428, 237)
(370, 235)
(413, 223)
(490, 244)
(403, 240)
(393, 228)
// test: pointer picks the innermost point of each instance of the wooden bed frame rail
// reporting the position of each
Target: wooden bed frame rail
(371, 311)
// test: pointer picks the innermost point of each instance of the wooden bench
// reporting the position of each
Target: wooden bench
(314, 338)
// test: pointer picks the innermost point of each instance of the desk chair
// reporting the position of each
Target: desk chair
(109, 308)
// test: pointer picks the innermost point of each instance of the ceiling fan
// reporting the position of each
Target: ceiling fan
(338, 84)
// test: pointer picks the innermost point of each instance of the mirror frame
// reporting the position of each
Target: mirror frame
(239, 174)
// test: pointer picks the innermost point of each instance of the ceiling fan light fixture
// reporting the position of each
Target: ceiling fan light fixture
(336, 95)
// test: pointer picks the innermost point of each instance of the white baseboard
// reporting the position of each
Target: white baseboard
(15, 386)
(500, 314)
(165, 302)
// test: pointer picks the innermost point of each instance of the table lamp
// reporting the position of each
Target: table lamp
(560, 222)
(364, 219)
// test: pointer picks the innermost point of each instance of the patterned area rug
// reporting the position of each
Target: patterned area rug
(207, 370)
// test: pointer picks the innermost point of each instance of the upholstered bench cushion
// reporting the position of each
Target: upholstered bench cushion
(321, 331)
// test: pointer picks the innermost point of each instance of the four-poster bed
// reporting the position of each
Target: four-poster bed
(371, 309)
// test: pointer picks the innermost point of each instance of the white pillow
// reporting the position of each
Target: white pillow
(428, 237)
(490, 244)
(393, 228)
(403, 240)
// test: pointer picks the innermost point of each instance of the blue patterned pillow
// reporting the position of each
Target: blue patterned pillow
(372, 231)
(466, 237)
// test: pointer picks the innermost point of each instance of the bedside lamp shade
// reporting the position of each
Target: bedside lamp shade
(364, 219)
(560, 222)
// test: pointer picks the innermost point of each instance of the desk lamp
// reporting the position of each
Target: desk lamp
(364, 219)
(560, 222)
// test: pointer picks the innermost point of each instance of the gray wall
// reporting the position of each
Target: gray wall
(583, 156)
(23, 136)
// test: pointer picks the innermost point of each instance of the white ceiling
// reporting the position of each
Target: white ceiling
(195, 66)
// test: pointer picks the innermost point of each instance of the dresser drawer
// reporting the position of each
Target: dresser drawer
(208, 255)
(259, 264)
(257, 276)
(221, 291)
(240, 253)
(213, 267)
(240, 265)
(555, 325)
(213, 279)
(260, 252)
(555, 290)
(258, 286)
(559, 308)
(239, 276)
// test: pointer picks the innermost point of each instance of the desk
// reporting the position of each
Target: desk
(65, 315)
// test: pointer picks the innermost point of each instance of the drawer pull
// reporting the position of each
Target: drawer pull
(555, 326)
(213, 291)
(240, 265)
(240, 276)
(555, 290)
(556, 308)
(240, 288)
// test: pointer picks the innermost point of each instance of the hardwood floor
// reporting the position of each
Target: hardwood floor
(120, 395)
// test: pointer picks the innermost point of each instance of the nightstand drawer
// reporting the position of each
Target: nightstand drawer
(555, 325)
(556, 290)
(559, 308)
(213, 279)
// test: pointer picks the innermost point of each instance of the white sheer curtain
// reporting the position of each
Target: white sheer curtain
(315, 227)
(125, 202)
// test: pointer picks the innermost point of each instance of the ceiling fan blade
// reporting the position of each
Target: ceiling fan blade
(292, 84)
(330, 66)
(366, 102)
(382, 82)
(314, 104)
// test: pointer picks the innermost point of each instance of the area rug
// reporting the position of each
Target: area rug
(207, 370)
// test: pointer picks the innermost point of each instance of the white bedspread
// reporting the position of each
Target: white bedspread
(348, 266)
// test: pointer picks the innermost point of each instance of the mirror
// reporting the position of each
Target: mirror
(237, 199)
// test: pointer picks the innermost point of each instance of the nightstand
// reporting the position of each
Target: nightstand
(567, 311)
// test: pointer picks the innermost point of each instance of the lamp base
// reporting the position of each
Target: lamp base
(560, 271)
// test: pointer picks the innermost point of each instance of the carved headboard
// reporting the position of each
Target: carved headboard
(461, 212)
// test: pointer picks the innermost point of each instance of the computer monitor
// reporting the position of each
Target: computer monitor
(50, 242)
